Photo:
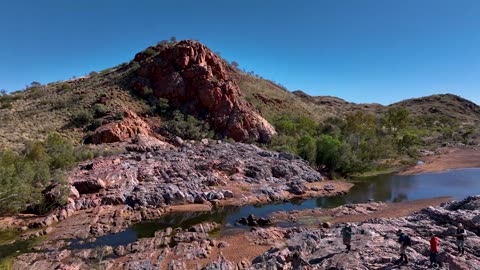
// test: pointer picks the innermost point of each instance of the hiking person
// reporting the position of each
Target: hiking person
(433, 250)
(405, 242)
(461, 233)
(347, 236)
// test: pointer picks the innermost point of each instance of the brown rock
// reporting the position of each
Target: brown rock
(89, 186)
(74, 194)
(194, 80)
(127, 128)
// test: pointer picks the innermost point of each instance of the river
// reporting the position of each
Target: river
(457, 184)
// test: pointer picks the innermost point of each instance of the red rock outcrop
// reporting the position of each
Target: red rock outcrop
(129, 127)
(195, 81)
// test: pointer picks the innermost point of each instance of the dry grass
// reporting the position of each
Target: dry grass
(33, 113)
(36, 112)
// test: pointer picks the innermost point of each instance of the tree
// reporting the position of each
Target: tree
(396, 119)
(162, 43)
(235, 64)
(173, 39)
(60, 151)
(3, 92)
(307, 148)
(358, 127)
(407, 142)
(328, 151)
(163, 105)
(35, 84)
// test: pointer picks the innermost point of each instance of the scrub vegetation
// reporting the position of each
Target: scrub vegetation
(331, 134)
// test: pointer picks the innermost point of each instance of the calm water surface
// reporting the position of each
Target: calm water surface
(386, 188)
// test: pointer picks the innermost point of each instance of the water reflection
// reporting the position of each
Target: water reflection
(398, 188)
(386, 188)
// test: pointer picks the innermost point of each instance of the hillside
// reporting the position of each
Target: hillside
(445, 105)
(42, 109)
(33, 113)
(338, 106)
(95, 155)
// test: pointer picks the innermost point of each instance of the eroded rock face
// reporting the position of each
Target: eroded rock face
(195, 81)
(120, 131)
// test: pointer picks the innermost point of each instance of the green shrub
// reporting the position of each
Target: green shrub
(100, 110)
(106, 71)
(188, 127)
(118, 115)
(149, 51)
(35, 84)
(163, 43)
(284, 143)
(60, 152)
(23, 176)
(82, 119)
(96, 123)
(65, 87)
(307, 149)
(37, 92)
(146, 91)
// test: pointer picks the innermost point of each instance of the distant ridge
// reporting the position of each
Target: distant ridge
(37, 111)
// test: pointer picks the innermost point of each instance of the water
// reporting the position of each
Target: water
(386, 188)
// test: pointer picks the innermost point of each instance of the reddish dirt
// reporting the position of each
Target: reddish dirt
(240, 248)
(394, 210)
(448, 158)
(383, 210)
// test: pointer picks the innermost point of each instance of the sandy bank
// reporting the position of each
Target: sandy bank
(445, 159)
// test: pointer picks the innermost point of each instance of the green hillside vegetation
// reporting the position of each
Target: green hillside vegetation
(327, 131)
(26, 173)
(360, 142)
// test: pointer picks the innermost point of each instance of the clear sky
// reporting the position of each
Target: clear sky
(360, 50)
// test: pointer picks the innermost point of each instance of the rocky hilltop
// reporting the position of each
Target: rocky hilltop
(194, 80)
(338, 106)
(447, 105)
(443, 105)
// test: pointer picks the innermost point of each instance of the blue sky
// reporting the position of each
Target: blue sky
(360, 50)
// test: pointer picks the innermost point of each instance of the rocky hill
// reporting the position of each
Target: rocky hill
(187, 74)
(195, 81)
(140, 108)
(337, 106)
(444, 105)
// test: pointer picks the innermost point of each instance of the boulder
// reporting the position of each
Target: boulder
(120, 131)
(297, 188)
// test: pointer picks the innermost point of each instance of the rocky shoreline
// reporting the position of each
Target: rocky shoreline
(109, 194)
(374, 245)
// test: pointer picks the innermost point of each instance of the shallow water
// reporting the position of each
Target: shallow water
(386, 188)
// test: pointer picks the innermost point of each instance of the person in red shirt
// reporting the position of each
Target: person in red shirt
(433, 250)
